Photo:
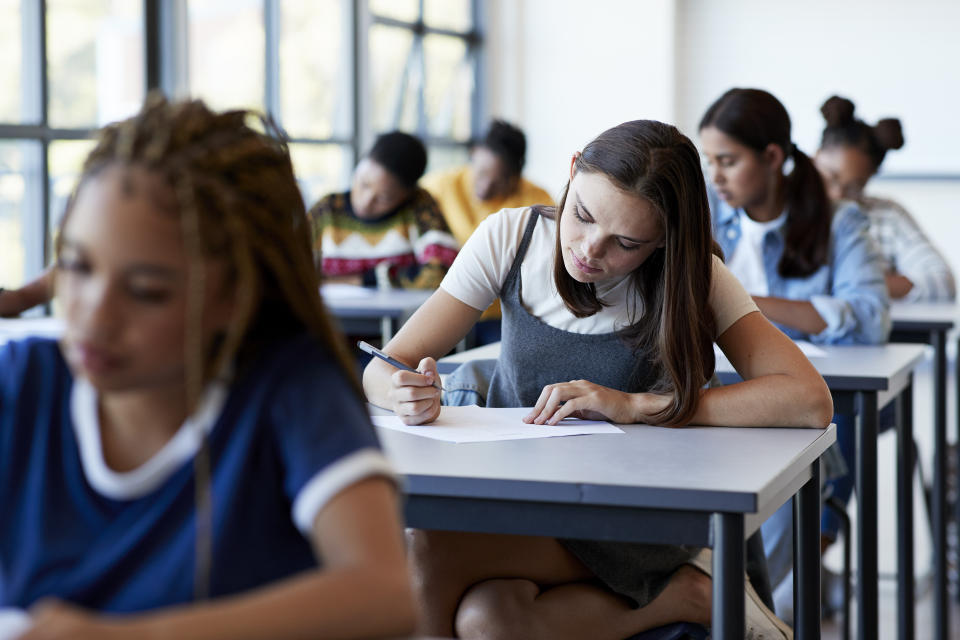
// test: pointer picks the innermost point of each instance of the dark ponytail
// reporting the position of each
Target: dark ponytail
(756, 119)
(845, 129)
(806, 244)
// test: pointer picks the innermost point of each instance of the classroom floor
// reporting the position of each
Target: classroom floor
(832, 630)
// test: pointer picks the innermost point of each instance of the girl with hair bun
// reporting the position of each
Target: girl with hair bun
(811, 265)
(851, 152)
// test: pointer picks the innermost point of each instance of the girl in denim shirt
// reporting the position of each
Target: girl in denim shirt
(811, 267)
(812, 270)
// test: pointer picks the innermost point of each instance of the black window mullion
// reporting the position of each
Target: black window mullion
(46, 249)
(473, 40)
(152, 54)
(473, 46)
(422, 89)
(422, 93)
(271, 30)
(356, 25)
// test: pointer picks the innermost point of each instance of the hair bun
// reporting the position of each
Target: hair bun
(888, 133)
(837, 111)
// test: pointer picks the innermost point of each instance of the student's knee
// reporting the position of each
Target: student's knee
(496, 609)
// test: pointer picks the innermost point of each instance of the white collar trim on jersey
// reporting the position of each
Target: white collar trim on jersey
(130, 485)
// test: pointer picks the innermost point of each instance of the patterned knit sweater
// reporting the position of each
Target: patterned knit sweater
(413, 238)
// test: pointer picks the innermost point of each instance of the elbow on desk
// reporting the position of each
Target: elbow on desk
(818, 411)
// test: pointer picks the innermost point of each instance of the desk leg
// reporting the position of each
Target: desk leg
(866, 485)
(941, 613)
(905, 586)
(956, 371)
(806, 556)
(386, 330)
(729, 608)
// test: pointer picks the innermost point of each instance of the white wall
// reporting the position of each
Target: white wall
(565, 70)
(891, 57)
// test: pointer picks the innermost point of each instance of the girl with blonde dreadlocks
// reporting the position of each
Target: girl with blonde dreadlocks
(197, 433)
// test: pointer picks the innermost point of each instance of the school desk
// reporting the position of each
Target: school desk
(862, 380)
(706, 486)
(356, 308)
(929, 323)
(363, 310)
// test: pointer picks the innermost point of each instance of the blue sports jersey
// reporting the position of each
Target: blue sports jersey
(286, 436)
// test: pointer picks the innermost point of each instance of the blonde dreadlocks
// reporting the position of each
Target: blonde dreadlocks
(238, 200)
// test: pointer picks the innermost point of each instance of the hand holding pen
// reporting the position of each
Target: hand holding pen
(415, 393)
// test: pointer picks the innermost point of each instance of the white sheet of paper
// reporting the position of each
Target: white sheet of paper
(478, 424)
(13, 623)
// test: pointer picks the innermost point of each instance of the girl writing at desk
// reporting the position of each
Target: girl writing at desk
(618, 289)
(193, 460)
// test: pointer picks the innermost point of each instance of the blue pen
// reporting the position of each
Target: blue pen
(372, 350)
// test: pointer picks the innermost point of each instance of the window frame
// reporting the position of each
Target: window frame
(166, 54)
(419, 29)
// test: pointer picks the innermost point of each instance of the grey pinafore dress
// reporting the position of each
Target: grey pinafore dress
(534, 354)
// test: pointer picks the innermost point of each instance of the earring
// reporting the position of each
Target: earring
(787, 166)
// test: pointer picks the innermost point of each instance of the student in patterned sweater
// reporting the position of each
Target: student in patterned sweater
(384, 218)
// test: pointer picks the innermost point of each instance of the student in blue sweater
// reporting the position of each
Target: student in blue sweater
(193, 459)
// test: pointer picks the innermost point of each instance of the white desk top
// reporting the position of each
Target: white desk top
(373, 303)
(19, 328)
(844, 367)
(858, 367)
(699, 468)
(924, 315)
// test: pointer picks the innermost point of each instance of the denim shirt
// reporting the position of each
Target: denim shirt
(849, 292)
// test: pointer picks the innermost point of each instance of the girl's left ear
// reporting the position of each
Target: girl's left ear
(774, 157)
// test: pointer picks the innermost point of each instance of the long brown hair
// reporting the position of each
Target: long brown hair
(656, 162)
(757, 119)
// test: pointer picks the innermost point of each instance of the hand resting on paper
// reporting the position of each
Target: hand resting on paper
(589, 401)
(413, 397)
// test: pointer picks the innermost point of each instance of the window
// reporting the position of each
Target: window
(423, 73)
(332, 73)
(71, 66)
